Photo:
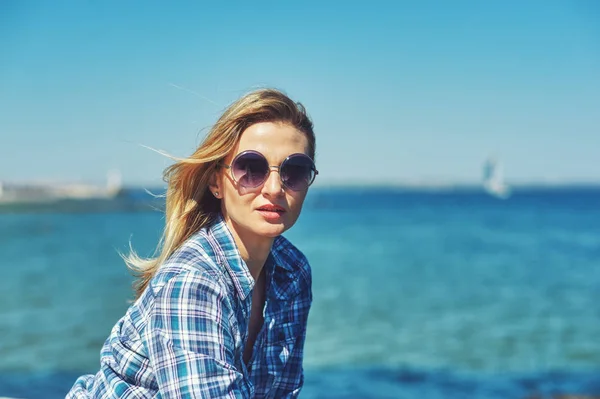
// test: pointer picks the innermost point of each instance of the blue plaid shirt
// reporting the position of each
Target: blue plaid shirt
(184, 337)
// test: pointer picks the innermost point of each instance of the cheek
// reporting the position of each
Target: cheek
(242, 191)
(296, 200)
(237, 200)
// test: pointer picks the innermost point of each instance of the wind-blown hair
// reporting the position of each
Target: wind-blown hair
(190, 205)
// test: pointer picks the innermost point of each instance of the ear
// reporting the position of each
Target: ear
(213, 184)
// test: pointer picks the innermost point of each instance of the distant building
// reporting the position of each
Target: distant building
(49, 192)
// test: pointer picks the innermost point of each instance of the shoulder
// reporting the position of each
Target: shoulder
(291, 258)
(194, 261)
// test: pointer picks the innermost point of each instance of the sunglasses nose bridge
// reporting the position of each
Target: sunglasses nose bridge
(275, 184)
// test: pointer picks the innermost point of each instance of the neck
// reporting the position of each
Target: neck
(253, 250)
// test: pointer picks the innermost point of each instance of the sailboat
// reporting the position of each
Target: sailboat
(493, 181)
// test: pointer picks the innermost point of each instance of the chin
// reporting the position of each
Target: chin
(271, 230)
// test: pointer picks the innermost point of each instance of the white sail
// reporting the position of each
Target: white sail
(493, 180)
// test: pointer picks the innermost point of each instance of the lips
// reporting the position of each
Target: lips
(272, 208)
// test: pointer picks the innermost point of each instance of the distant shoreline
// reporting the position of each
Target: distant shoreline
(456, 186)
(410, 186)
(140, 198)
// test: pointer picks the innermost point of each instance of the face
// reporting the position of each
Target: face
(264, 212)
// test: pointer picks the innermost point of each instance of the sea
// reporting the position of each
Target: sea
(417, 293)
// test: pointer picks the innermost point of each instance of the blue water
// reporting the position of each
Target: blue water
(416, 294)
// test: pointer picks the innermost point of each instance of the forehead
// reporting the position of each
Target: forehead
(275, 140)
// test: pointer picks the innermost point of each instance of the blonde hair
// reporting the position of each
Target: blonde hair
(189, 205)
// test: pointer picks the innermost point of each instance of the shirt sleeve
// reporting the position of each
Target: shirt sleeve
(295, 384)
(292, 380)
(190, 344)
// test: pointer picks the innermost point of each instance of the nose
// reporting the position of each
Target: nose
(272, 186)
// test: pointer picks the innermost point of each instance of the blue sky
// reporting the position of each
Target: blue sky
(399, 92)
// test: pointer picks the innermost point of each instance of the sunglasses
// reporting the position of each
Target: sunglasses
(251, 169)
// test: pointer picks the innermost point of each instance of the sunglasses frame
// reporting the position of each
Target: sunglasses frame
(271, 168)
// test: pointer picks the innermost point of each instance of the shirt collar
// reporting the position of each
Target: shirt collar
(276, 251)
(228, 256)
(284, 278)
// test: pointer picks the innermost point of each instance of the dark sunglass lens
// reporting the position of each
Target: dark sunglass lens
(250, 169)
(297, 172)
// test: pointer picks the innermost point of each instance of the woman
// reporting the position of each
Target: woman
(222, 310)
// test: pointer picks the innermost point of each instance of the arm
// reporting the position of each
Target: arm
(190, 345)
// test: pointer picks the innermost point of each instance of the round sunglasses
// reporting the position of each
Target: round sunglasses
(251, 169)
